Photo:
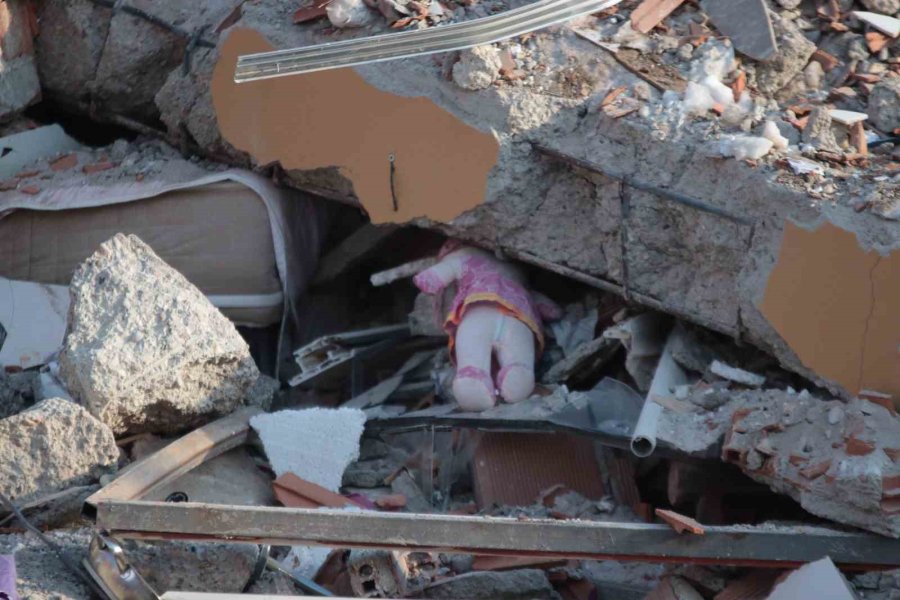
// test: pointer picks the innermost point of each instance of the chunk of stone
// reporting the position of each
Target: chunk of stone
(524, 584)
(349, 13)
(477, 68)
(52, 446)
(794, 50)
(145, 350)
(818, 131)
(841, 471)
(884, 105)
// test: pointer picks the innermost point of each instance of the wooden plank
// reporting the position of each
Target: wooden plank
(650, 13)
(176, 459)
(590, 540)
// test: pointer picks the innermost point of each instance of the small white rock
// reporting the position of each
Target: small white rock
(847, 117)
(771, 133)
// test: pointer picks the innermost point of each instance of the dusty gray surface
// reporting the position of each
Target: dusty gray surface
(839, 461)
(524, 584)
(17, 392)
(145, 350)
(705, 268)
(54, 445)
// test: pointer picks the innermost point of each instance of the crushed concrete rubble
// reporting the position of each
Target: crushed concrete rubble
(51, 446)
(146, 351)
(839, 461)
(709, 187)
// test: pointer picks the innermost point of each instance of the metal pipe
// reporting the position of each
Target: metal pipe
(457, 36)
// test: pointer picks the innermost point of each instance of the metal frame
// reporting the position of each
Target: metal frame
(769, 546)
(392, 46)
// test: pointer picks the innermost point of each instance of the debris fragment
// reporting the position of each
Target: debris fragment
(349, 13)
(295, 492)
(51, 446)
(315, 444)
(531, 584)
(477, 68)
(819, 579)
(747, 23)
(818, 132)
(773, 134)
(792, 56)
(651, 13)
(883, 23)
(680, 523)
(884, 104)
(146, 351)
(736, 375)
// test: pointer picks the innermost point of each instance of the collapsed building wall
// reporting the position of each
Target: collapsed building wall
(468, 162)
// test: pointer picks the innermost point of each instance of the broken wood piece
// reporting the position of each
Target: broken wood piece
(352, 250)
(662, 77)
(294, 492)
(177, 458)
(403, 271)
(680, 523)
(612, 95)
(746, 23)
(651, 13)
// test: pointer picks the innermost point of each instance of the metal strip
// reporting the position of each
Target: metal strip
(457, 36)
(786, 546)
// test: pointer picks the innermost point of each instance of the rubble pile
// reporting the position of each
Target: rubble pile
(601, 310)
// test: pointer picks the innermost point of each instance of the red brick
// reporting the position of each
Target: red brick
(97, 167)
(797, 459)
(816, 470)
(893, 454)
(858, 447)
(65, 162)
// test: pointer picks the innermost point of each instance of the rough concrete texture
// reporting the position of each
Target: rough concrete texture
(839, 461)
(52, 446)
(884, 104)
(17, 392)
(791, 57)
(19, 85)
(524, 584)
(706, 268)
(477, 68)
(145, 350)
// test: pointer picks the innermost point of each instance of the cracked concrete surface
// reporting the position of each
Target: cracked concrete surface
(700, 266)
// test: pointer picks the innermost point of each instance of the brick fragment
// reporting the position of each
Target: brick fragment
(97, 167)
(680, 523)
(858, 447)
(816, 470)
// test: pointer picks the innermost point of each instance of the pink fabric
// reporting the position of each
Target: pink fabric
(505, 371)
(482, 282)
(428, 282)
(478, 375)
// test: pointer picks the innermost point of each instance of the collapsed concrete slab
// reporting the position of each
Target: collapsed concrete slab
(54, 445)
(477, 166)
(839, 461)
(145, 349)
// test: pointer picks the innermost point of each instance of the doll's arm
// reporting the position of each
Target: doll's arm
(434, 279)
(547, 308)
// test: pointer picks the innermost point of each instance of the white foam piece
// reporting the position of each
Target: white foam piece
(745, 147)
(315, 444)
(771, 133)
(737, 375)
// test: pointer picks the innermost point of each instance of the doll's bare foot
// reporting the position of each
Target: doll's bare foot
(515, 382)
(473, 389)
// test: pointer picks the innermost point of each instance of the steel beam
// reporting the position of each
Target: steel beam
(782, 546)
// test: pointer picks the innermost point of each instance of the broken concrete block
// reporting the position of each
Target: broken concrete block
(145, 350)
(52, 446)
(315, 444)
(884, 105)
(524, 584)
(477, 68)
(818, 131)
(793, 53)
(838, 464)
(736, 375)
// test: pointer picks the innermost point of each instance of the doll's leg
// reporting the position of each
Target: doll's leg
(473, 386)
(515, 353)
